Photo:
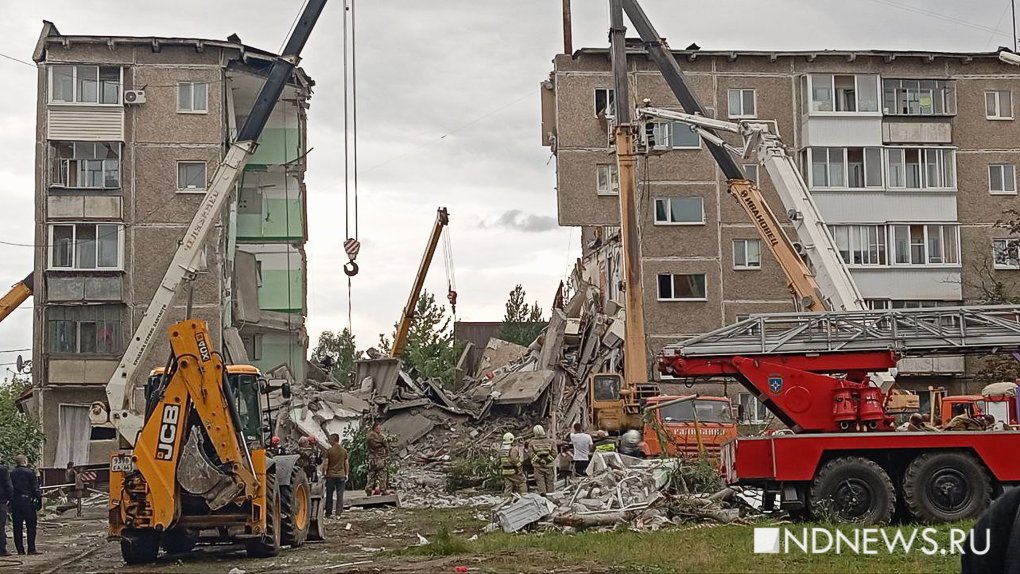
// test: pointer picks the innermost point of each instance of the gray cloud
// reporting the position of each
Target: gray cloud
(517, 220)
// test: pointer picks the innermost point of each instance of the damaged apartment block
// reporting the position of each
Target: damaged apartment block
(129, 132)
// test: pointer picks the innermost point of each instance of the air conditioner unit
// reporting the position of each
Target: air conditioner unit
(134, 96)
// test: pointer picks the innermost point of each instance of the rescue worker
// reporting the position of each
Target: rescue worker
(308, 456)
(511, 461)
(966, 422)
(27, 500)
(916, 424)
(583, 447)
(542, 452)
(6, 495)
(378, 457)
(336, 468)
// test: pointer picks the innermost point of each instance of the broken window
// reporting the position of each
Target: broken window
(680, 211)
(747, 254)
(608, 179)
(918, 97)
(926, 244)
(193, 97)
(85, 84)
(1006, 253)
(191, 176)
(1002, 178)
(860, 244)
(85, 165)
(742, 103)
(85, 329)
(682, 287)
(999, 105)
(604, 102)
(85, 246)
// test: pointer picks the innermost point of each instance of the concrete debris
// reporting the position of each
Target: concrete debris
(527, 509)
(497, 354)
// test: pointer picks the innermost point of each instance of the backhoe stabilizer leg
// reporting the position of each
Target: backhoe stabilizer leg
(198, 475)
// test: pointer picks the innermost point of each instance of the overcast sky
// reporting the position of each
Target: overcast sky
(448, 106)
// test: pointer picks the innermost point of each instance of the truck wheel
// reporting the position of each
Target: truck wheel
(852, 489)
(945, 487)
(269, 544)
(317, 526)
(139, 546)
(179, 540)
(296, 509)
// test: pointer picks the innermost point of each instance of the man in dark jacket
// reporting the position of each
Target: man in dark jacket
(27, 500)
(994, 543)
(6, 491)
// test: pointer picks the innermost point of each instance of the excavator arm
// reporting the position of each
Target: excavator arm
(18, 294)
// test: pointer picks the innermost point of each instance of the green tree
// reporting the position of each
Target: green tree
(522, 323)
(994, 289)
(339, 351)
(430, 351)
(19, 433)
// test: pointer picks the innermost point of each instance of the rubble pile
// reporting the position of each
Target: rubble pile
(646, 495)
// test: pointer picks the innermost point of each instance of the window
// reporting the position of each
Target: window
(751, 411)
(675, 135)
(682, 287)
(604, 102)
(926, 245)
(999, 105)
(881, 304)
(191, 176)
(1006, 253)
(827, 167)
(747, 254)
(92, 329)
(921, 168)
(85, 165)
(1002, 178)
(855, 167)
(843, 93)
(751, 171)
(84, 84)
(193, 97)
(680, 211)
(918, 97)
(742, 104)
(608, 179)
(860, 244)
(85, 246)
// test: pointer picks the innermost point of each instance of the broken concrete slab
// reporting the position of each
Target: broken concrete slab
(407, 427)
(552, 350)
(523, 387)
(359, 499)
(384, 373)
(528, 509)
(498, 353)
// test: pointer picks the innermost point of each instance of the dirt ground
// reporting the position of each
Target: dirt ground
(360, 542)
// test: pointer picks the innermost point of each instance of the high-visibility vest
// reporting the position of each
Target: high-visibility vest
(542, 453)
(507, 466)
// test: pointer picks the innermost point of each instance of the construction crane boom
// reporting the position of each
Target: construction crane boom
(184, 264)
(19, 293)
(404, 327)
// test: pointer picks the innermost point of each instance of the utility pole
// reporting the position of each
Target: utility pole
(635, 367)
(568, 42)
(1012, 7)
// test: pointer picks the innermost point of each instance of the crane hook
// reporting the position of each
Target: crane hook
(351, 247)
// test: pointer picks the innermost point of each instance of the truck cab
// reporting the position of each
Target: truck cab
(1003, 408)
(689, 426)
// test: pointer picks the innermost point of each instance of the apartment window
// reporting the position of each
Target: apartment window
(1002, 178)
(751, 171)
(860, 244)
(193, 97)
(682, 287)
(921, 168)
(75, 246)
(742, 104)
(884, 304)
(999, 105)
(680, 211)
(608, 179)
(85, 84)
(843, 93)
(191, 176)
(675, 135)
(926, 244)
(85, 329)
(1006, 253)
(751, 410)
(604, 102)
(747, 254)
(828, 167)
(918, 97)
(85, 165)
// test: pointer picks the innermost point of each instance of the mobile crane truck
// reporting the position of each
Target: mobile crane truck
(199, 470)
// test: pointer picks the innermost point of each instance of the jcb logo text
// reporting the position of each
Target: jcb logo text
(168, 432)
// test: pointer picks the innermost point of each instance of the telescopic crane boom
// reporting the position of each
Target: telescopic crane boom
(19, 293)
(404, 327)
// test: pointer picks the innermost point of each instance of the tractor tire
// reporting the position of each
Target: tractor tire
(946, 487)
(852, 489)
(179, 540)
(317, 527)
(268, 545)
(296, 509)
(139, 546)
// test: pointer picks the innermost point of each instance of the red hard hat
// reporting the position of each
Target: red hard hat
(312, 440)
(275, 441)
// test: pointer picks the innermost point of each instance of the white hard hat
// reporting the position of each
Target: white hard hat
(538, 431)
(508, 438)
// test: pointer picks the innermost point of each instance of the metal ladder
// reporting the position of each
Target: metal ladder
(970, 330)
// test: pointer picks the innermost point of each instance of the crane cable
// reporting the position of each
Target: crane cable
(451, 279)
(350, 98)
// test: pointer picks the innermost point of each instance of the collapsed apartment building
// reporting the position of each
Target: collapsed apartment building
(129, 132)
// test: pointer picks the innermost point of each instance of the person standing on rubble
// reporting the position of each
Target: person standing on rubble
(543, 460)
(335, 468)
(378, 458)
(583, 446)
(25, 503)
(511, 466)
